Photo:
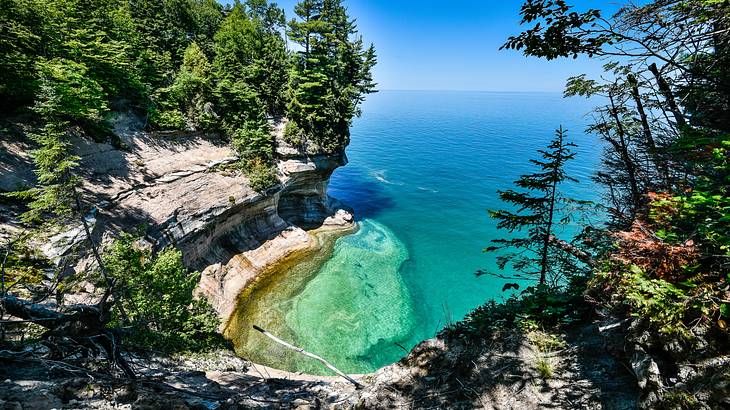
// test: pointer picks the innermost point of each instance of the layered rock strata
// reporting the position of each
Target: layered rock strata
(184, 190)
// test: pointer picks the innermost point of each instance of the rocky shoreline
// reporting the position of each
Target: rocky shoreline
(184, 189)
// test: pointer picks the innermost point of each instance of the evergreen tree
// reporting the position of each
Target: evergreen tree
(189, 99)
(538, 208)
(330, 75)
(20, 41)
(237, 44)
(270, 66)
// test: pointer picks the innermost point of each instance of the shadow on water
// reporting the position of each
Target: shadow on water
(355, 188)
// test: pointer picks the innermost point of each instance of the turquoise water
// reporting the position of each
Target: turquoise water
(424, 168)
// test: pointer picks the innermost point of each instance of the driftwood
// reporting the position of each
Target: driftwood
(85, 325)
(310, 355)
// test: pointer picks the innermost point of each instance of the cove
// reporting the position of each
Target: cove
(423, 169)
(348, 301)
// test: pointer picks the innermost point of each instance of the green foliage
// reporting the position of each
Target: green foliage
(330, 76)
(539, 210)
(167, 120)
(539, 307)
(251, 63)
(261, 175)
(544, 368)
(67, 92)
(157, 304)
(663, 303)
(187, 64)
(667, 307)
(702, 212)
(557, 31)
(55, 191)
(19, 42)
(293, 134)
(25, 265)
(190, 93)
(665, 168)
(253, 141)
(255, 147)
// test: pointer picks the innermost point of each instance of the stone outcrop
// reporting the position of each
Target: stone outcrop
(186, 191)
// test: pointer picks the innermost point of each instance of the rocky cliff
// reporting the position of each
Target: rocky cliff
(184, 190)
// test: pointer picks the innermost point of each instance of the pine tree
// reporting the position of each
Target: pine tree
(271, 62)
(537, 209)
(330, 75)
(66, 94)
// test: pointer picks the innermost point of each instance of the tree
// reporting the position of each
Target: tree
(20, 41)
(237, 45)
(158, 292)
(270, 70)
(537, 209)
(663, 55)
(189, 98)
(330, 75)
(665, 120)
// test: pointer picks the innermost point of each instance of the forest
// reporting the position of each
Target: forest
(187, 65)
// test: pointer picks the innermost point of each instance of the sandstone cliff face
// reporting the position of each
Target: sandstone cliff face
(184, 190)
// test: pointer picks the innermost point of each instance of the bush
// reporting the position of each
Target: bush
(293, 134)
(667, 307)
(167, 120)
(254, 141)
(157, 304)
(261, 175)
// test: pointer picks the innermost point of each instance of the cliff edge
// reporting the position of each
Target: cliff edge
(184, 189)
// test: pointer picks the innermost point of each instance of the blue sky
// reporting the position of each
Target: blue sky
(454, 45)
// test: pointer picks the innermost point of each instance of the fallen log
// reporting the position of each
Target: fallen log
(85, 325)
(310, 355)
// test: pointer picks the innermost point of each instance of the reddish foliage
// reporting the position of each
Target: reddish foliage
(659, 259)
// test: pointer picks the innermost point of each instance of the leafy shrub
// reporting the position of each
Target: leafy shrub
(293, 134)
(157, 304)
(261, 175)
(667, 307)
(167, 120)
(254, 141)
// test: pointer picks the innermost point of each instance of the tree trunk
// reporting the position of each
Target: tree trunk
(660, 165)
(573, 250)
(84, 324)
(666, 92)
(548, 229)
(623, 150)
(310, 355)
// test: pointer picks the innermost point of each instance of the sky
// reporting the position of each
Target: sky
(454, 45)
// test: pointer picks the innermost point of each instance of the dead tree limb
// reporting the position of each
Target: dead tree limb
(573, 250)
(666, 92)
(310, 355)
(86, 325)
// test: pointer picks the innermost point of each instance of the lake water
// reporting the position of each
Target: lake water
(424, 168)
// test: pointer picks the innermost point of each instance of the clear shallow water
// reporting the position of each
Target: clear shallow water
(424, 168)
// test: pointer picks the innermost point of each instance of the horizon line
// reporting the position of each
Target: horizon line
(469, 91)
